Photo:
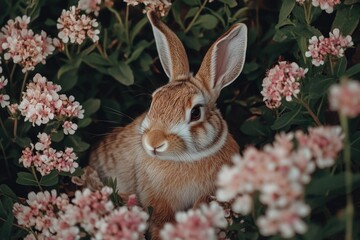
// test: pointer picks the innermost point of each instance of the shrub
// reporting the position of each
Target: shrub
(72, 70)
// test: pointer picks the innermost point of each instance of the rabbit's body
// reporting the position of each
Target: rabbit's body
(170, 155)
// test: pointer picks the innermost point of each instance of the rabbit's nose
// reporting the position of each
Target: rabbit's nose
(155, 141)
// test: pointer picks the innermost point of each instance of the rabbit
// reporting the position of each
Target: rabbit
(171, 154)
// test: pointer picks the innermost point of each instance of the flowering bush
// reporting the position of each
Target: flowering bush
(70, 71)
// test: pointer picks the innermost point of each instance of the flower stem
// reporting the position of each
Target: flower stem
(307, 11)
(36, 178)
(127, 25)
(117, 16)
(11, 77)
(67, 52)
(23, 85)
(348, 178)
(18, 226)
(4, 128)
(5, 159)
(196, 16)
(331, 66)
(311, 113)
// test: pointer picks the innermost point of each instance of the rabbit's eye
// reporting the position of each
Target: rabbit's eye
(195, 113)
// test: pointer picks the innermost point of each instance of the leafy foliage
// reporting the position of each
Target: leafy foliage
(114, 77)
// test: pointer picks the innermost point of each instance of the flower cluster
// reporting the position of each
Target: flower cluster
(90, 6)
(41, 102)
(87, 214)
(4, 98)
(345, 98)
(45, 159)
(327, 5)
(75, 27)
(279, 173)
(320, 47)
(282, 81)
(202, 223)
(160, 6)
(20, 44)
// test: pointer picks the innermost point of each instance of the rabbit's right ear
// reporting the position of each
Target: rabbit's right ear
(224, 61)
(171, 51)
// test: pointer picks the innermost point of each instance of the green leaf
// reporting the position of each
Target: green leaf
(76, 143)
(137, 28)
(68, 80)
(352, 71)
(207, 21)
(230, 3)
(333, 226)
(23, 141)
(286, 119)
(71, 65)
(50, 180)
(318, 86)
(122, 72)
(26, 178)
(138, 50)
(91, 106)
(97, 60)
(241, 13)
(285, 10)
(346, 19)
(176, 10)
(5, 230)
(340, 66)
(253, 127)
(328, 183)
(57, 136)
(6, 191)
(192, 2)
(191, 12)
(84, 122)
(350, 2)
(314, 232)
(250, 67)
(145, 62)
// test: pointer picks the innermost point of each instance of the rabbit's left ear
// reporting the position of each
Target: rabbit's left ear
(171, 51)
(225, 59)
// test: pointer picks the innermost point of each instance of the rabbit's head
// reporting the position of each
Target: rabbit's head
(183, 123)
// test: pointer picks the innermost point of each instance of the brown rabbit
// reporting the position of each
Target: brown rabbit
(170, 155)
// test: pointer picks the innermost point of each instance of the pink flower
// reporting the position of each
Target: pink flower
(301, 2)
(282, 81)
(69, 127)
(278, 173)
(90, 6)
(75, 27)
(40, 210)
(3, 80)
(123, 223)
(23, 46)
(198, 224)
(345, 98)
(41, 102)
(4, 100)
(45, 159)
(320, 47)
(287, 221)
(323, 142)
(160, 6)
(327, 5)
(90, 214)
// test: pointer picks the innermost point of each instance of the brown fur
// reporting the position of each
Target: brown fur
(171, 179)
